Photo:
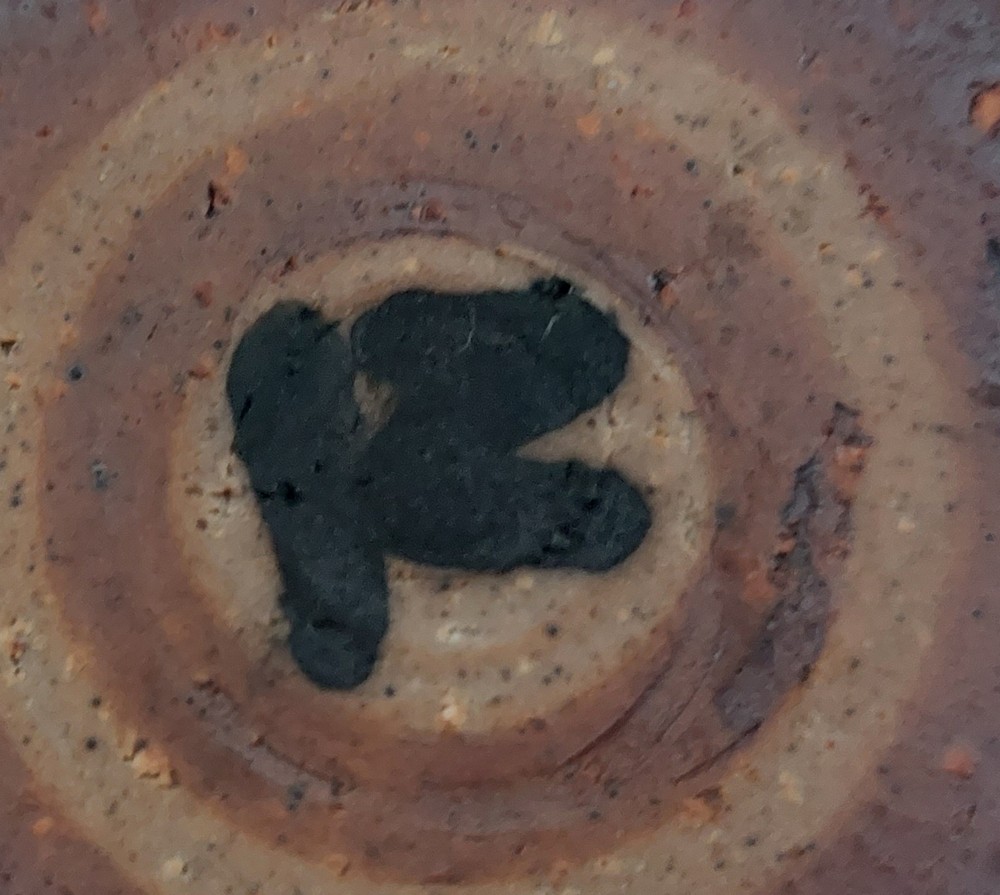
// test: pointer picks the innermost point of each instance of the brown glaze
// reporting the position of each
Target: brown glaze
(251, 738)
(139, 341)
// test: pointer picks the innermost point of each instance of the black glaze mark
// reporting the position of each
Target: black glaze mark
(472, 379)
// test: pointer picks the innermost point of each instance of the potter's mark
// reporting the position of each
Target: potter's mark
(400, 436)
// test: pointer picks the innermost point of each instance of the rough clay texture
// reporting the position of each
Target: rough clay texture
(896, 98)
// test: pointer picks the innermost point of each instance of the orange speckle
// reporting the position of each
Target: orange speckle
(589, 126)
(848, 464)
(203, 293)
(43, 826)
(547, 32)
(558, 872)
(97, 17)
(875, 207)
(152, 763)
(43, 132)
(697, 812)
(203, 368)
(686, 9)
(757, 587)
(422, 139)
(791, 788)
(202, 678)
(18, 648)
(960, 761)
(668, 297)
(703, 808)
(13, 381)
(790, 176)
(593, 770)
(785, 546)
(984, 110)
(432, 211)
(644, 131)
(237, 161)
(301, 108)
(217, 34)
(68, 335)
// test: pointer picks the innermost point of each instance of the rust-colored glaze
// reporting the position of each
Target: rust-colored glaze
(439, 141)
(124, 573)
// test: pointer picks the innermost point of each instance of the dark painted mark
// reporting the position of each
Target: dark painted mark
(987, 391)
(294, 795)
(993, 256)
(218, 198)
(815, 523)
(101, 476)
(659, 279)
(725, 514)
(131, 316)
(792, 636)
(404, 441)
